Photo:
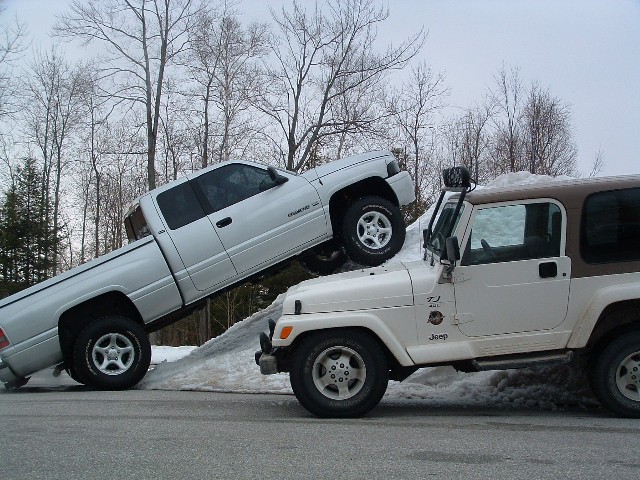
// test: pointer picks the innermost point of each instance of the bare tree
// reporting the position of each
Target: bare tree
(507, 99)
(53, 103)
(141, 38)
(12, 45)
(222, 61)
(323, 55)
(469, 138)
(549, 145)
(413, 109)
(597, 165)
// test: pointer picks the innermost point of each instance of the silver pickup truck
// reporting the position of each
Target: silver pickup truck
(190, 239)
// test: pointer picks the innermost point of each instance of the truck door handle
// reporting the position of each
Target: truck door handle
(548, 269)
(224, 222)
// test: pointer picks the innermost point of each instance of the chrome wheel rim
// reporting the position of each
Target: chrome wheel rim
(113, 354)
(628, 377)
(374, 230)
(339, 373)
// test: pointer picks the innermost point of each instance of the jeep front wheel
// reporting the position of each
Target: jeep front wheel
(373, 231)
(615, 378)
(112, 353)
(341, 373)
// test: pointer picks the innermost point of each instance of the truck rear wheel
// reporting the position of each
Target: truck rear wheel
(373, 231)
(112, 353)
(615, 377)
(340, 373)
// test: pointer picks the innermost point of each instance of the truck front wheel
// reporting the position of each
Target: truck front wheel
(373, 231)
(112, 353)
(341, 373)
(615, 377)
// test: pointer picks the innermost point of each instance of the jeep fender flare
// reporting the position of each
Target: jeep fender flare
(307, 323)
(602, 299)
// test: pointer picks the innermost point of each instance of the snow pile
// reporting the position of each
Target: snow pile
(161, 353)
(226, 363)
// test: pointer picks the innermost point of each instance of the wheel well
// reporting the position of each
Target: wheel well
(340, 200)
(616, 319)
(391, 359)
(73, 321)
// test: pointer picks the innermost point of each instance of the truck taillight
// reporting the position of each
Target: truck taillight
(4, 341)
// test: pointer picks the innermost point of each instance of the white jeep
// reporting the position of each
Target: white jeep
(511, 277)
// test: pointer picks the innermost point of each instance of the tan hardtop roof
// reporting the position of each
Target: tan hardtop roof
(571, 192)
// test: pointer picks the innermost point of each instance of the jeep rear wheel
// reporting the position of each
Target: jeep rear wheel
(615, 378)
(112, 353)
(341, 373)
(373, 231)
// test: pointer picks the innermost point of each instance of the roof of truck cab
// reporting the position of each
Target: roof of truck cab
(571, 192)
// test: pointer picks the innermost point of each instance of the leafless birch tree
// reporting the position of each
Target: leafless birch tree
(413, 109)
(322, 55)
(141, 39)
(222, 61)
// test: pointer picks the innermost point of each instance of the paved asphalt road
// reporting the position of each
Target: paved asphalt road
(68, 431)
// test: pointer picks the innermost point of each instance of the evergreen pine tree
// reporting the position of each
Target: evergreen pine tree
(28, 240)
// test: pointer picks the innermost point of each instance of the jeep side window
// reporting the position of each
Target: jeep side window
(514, 232)
(179, 206)
(610, 229)
(231, 184)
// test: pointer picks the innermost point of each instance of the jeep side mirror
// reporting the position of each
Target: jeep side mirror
(453, 250)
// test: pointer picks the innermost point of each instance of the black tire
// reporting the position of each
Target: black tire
(373, 231)
(112, 353)
(324, 259)
(358, 367)
(71, 371)
(615, 375)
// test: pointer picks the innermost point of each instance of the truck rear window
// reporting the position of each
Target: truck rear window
(610, 230)
(136, 225)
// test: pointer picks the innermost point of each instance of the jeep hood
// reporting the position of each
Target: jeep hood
(379, 287)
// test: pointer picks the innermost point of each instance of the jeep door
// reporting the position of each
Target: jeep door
(261, 221)
(513, 275)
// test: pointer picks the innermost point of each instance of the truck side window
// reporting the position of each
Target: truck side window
(179, 206)
(610, 229)
(231, 184)
(514, 232)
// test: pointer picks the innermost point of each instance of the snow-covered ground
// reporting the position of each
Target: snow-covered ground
(226, 363)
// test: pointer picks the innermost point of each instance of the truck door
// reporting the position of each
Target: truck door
(258, 220)
(513, 276)
(191, 235)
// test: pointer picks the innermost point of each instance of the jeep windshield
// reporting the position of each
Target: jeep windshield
(445, 225)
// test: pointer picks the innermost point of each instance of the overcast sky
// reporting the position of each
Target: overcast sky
(587, 52)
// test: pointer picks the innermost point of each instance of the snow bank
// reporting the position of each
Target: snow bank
(226, 363)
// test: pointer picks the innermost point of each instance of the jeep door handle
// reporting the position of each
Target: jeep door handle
(548, 269)
(224, 222)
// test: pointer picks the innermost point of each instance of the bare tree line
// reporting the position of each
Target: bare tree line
(180, 84)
